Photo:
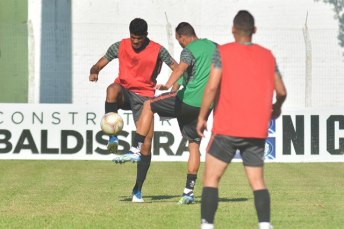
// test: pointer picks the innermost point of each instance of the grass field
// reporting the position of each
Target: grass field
(97, 194)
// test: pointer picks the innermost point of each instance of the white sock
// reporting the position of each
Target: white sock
(135, 151)
(188, 192)
(207, 226)
(265, 225)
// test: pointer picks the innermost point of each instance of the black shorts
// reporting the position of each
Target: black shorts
(169, 105)
(224, 148)
(133, 102)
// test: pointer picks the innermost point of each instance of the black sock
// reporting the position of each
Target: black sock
(262, 204)
(110, 107)
(142, 169)
(190, 183)
(138, 141)
(210, 199)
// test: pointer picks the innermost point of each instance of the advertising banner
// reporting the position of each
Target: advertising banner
(310, 135)
(72, 132)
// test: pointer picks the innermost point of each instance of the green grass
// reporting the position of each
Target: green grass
(97, 194)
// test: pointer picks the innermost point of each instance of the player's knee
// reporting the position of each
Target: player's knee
(112, 92)
(205, 180)
(210, 179)
(148, 142)
(257, 185)
(146, 147)
(193, 170)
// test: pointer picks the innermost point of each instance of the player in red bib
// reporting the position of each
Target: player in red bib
(140, 61)
(242, 81)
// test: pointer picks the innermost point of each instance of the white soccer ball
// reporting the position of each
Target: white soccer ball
(111, 123)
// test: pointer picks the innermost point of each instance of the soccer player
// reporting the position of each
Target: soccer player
(184, 104)
(242, 82)
(140, 61)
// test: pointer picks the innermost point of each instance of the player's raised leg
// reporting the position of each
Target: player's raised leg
(114, 97)
(143, 127)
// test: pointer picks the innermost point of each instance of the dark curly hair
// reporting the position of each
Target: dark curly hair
(138, 26)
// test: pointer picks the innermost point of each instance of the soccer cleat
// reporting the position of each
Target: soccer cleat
(113, 144)
(130, 156)
(186, 199)
(137, 197)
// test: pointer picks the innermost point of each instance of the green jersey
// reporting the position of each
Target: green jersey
(198, 56)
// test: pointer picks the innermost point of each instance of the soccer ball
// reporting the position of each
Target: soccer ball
(111, 123)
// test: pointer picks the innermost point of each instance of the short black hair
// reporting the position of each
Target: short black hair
(244, 22)
(185, 29)
(138, 26)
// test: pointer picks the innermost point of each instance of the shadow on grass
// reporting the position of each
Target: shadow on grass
(157, 197)
(233, 199)
(164, 198)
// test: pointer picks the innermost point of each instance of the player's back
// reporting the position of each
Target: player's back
(192, 93)
(247, 85)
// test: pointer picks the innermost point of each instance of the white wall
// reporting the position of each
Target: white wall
(98, 24)
(268, 13)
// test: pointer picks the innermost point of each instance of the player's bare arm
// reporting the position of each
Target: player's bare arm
(281, 95)
(94, 72)
(174, 65)
(175, 86)
(208, 98)
(176, 74)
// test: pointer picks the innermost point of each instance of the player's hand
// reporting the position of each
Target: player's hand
(201, 126)
(93, 77)
(276, 111)
(162, 87)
